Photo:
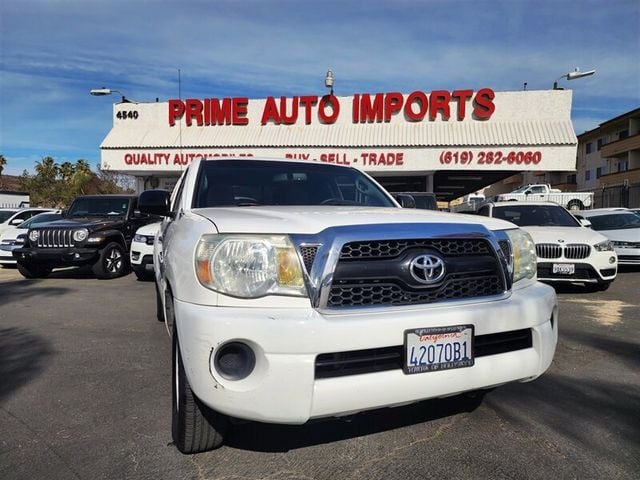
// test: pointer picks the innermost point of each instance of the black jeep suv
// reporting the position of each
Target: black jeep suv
(96, 230)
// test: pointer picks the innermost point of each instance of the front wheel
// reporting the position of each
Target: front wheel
(195, 427)
(33, 271)
(112, 262)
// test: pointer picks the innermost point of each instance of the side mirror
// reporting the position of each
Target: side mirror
(585, 223)
(405, 201)
(155, 202)
(16, 221)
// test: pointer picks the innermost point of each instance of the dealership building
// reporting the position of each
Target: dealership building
(449, 142)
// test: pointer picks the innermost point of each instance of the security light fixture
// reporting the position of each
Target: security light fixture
(328, 80)
(101, 92)
(572, 76)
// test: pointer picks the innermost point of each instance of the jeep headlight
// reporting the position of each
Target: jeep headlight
(523, 249)
(606, 246)
(80, 235)
(249, 266)
(34, 235)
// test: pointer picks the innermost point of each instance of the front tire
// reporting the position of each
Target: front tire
(195, 427)
(112, 263)
(33, 271)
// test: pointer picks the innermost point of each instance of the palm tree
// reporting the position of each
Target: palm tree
(47, 168)
(3, 162)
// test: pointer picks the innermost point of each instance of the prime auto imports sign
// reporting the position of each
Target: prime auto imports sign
(418, 106)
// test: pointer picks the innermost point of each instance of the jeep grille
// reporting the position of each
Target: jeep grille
(55, 238)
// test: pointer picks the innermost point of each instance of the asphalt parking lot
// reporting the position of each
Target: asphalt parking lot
(85, 393)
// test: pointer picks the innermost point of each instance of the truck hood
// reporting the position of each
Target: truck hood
(314, 219)
(565, 235)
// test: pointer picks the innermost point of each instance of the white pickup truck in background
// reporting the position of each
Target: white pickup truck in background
(544, 193)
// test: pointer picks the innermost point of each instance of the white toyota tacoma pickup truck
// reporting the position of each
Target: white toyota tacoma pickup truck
(301, 290)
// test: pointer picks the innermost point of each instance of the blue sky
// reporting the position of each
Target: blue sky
(53, 52)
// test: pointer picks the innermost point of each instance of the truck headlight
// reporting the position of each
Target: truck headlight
(33, 235)
(249, 266)
(606, 246)
(524, 254)
(80, 235)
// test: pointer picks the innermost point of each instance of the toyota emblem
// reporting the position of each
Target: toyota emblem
(427, 269)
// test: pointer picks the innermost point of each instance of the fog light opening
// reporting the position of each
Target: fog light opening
(612, 260)
(234, 361)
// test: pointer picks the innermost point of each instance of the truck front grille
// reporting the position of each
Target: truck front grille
(55, 238)
(377, 273)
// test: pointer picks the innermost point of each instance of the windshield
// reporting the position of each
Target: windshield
(40, 219)
(615, 221)
(5, 214)
(521, 189)
(250, 182)
(98, 207)
(536, 215)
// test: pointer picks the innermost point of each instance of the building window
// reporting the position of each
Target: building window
(600, 143)
(589, 148)
(571, 179)
(598, 172)
(623, 134)
(587, 175)
(623, 166)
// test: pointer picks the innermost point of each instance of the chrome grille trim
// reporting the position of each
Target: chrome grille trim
(577, 251)
(55, 238)
(548, 250)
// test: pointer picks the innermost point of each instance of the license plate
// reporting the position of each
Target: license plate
(564, 268)
(438, 348)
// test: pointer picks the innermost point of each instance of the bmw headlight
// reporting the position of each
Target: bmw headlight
(34, 235)
(524, 261)
(249, 266)
(606, 246)
(80, 235)
(140, 238)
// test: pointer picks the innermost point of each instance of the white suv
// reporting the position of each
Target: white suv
(567, 251)
(299, 290)
(141, 251)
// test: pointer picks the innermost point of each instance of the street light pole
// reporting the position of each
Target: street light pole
(572, 76)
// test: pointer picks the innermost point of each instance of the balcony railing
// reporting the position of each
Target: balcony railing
(620, 148)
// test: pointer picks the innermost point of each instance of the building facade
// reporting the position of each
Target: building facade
(447, 142)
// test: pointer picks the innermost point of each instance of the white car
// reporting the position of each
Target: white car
(299, 290)
(141, 251)
(567, 251)
(13, 238)
(11, 218)
(622, 227)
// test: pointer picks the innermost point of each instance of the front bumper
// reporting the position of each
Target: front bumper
(6, 255)
(142, 263)
(283, 387)
(628, 256)
(56, 257)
